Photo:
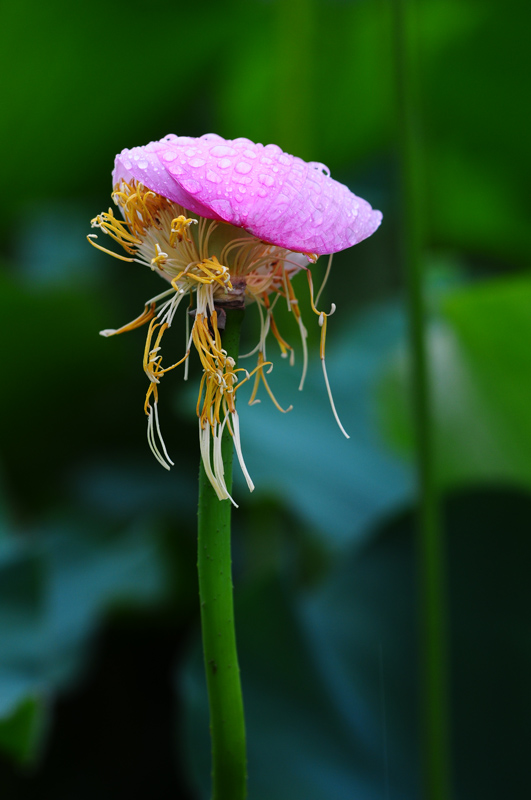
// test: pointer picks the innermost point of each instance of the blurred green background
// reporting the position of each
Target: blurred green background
(101, 688)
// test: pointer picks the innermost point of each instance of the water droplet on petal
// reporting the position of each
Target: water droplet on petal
(169, 155)
(127, 164)
(197, 162)
(262, 192)
(224, 163)
(266, 180)
(212, 176)
(221, 150)
(190, 185)
(243, 167)
(143, 164)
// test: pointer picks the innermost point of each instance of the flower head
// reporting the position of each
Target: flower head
(225, 223)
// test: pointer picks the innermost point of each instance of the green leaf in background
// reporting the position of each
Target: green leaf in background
(54, 591)
(330, 676)
(22, 732)
(480, 364)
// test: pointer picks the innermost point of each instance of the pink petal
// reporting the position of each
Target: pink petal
(275, 196)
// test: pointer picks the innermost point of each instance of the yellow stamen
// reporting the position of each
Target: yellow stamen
(147, 314)
(179, 229)
(141, 207)
(284, 346)
(92, 236)
(323, 322)
(260, 376)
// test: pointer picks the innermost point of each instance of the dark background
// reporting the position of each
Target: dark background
(101, 688)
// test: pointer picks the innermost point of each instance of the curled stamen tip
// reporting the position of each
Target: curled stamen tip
(332, 309)
(321, 319)
(108, 332)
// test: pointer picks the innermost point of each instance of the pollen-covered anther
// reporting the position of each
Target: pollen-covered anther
(179, 229)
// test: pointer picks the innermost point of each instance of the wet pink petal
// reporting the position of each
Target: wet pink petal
(275, 196)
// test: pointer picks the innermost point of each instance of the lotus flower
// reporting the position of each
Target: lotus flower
(225, 223)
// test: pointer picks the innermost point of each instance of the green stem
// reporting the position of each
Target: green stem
(430, 541)
(227, 727)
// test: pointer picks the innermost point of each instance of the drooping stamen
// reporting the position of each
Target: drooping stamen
(284, 346)
(261, 376)
(322, 322)
(153, 427)
(325, 279)
(238, 448)
(294, 307)
(92, 236)
(147, 314)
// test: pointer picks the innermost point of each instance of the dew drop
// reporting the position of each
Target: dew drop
(143, 164)
(169, 155)
(190, 185)
(243, 167)
(262, 192)
(266, 180)
(221, 150)
(127, 164)
(197, 162)
(212, 176)
(224, 163)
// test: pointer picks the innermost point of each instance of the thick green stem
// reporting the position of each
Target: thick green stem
(227, 727)
(431, 555)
